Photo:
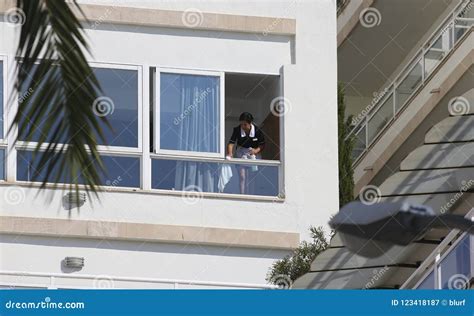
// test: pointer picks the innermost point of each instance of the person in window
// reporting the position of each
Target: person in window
(249, 142)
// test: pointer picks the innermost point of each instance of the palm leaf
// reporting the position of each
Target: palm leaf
(59, 112)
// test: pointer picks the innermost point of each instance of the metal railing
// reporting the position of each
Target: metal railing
(434, 260)
(370, 124)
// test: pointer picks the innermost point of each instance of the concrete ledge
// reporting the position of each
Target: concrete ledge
(147, 232)
(192, 19)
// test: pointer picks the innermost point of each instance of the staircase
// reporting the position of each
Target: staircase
(440, 173)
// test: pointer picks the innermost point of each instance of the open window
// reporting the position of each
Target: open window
(256, 94)
(193, 118)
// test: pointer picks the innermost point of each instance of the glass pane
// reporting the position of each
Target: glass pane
(380, 118)
(2, 164)
(118, 103)
(409, 84)
(189, 113)
(359, 143)
(428, 283)
(215, 177)
(1, 99)
(120, 171)
(459, 32)
(437, 51)
(120, 98)
(456, 266)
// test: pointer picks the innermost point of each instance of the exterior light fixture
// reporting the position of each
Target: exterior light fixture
(74, 262)
(76, 198)
(371, 230)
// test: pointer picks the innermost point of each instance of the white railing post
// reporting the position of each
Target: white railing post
(437, 272)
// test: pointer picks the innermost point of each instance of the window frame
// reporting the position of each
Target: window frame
(453, 247)
(436, 267)
(103, 187)
(107, 148)
(103, 150)
(157, 112)
(3, 60)
(3, 137)
(145, 74)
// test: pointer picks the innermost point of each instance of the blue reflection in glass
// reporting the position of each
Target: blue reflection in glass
(120, 171)
(189, 113)
(118, 102)
(121, 87)
(214, 177)
(428, 283)
(457, 264)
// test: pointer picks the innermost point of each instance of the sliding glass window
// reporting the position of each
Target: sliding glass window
(190, 108)
(120, 103)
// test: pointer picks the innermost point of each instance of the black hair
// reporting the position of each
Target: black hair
(247, 117)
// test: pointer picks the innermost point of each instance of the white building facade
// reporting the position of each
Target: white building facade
(167, 216)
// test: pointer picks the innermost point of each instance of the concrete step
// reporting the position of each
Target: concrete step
(341, 258)
(360, 278)
(439, 156)
(428, 182)
(452, 129)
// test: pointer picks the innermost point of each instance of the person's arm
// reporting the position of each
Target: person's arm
(258, 150)
(230, 149)
(231, 144)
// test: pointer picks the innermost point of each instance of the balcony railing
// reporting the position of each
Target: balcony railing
(432, 272)
(396, 97)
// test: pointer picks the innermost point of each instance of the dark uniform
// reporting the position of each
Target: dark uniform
(247, 141)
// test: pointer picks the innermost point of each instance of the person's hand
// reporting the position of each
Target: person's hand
(253, 151)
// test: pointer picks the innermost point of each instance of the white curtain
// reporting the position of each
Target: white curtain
(199, 131)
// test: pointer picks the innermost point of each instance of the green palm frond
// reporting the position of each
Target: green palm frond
(59, 113)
